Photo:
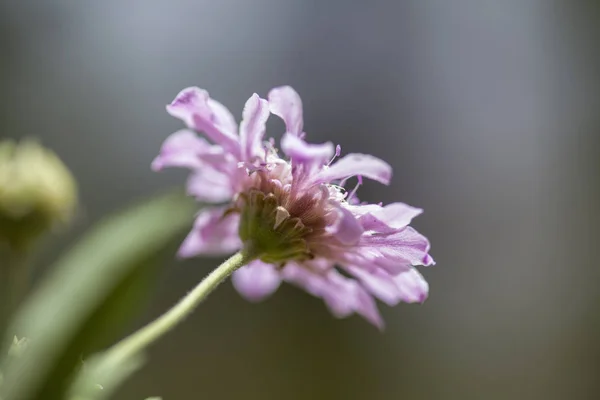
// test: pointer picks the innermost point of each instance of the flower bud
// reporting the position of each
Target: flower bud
(37, 191)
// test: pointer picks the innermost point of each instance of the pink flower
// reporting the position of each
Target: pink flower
(294, 212)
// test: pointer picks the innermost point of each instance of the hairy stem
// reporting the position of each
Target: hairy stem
(146, 336)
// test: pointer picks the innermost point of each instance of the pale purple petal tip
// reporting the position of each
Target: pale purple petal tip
(358, 164)
(378, 282)
(408, 286)
(188, 102)
(428, 261)
(209, 185)
(392, 216)
(366, 306)
(394, 251)
(302, 152)
(186, 149)
(412, 286)
(346, 296)
(256, 281)
(199, 112)
(252, 129)
(287, 105)
(343, 296)
(212, 234)
(179, 150)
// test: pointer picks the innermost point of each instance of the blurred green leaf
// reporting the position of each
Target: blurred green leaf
(84, 297)
(95, 382)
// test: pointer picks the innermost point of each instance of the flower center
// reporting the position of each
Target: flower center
(269, 229)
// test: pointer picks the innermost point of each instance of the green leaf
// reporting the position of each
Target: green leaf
(85, 295)
(95, 382)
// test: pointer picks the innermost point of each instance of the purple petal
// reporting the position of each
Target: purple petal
(347, 228)
(256, 281)
(413, 287)
(408, 286)
(180, 149)
(287, 105)
(343, 296)
(222, 116)
(347, 296)
(362, 209)
(185, 149)
(252, 128)
(209, 185)
(393, 216)
(405, 245)
(199, 112)
(358, 164)
(212, 234)
(395, 252)
(302, 152)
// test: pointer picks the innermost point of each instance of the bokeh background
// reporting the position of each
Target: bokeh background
(487, 110)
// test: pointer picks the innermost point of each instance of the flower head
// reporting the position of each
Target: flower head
(292, 208)
(37, 191)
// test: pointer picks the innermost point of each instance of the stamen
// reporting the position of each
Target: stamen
(252, 168)
(353, 192)
(338, 151)
(247, 166)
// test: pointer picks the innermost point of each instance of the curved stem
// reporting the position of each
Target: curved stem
(138, 341)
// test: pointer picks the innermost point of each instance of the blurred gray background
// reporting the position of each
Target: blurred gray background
(487, 110)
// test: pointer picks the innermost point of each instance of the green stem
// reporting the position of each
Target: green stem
(138, 341)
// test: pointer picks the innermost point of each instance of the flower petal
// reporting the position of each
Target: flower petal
(287, 105)
(408, 286)
(391, 217)
(395, 252)
(199, 112)
(209, 185)
(300, 151)
(180, 149)
(343, 296)
(347, 228)
(256, 280)
(252, 129)
(347, 295)
(213, 234)
(404, 245)
(185, 149)
(223, 116)
(413, 287)
(357, 164)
